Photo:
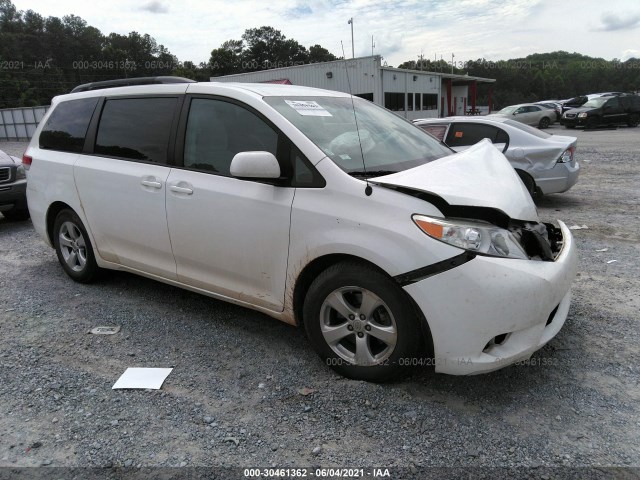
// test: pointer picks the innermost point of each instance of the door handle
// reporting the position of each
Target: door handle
(184, 190)
(151, 183)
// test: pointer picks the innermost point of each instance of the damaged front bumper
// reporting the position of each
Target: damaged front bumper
(501, 311)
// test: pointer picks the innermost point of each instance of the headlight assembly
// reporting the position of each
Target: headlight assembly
(478, 237)
(20, 173)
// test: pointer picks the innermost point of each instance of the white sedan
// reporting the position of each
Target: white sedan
(529, 114)
(545, 163)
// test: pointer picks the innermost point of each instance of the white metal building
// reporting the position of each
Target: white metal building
(411, 93)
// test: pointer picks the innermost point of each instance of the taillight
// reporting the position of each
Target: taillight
(26, 161)
(567, 155)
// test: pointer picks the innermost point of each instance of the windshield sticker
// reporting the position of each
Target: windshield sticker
(459, 134)
(308, 107)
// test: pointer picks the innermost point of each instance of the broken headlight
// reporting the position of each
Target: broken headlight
(478, 237)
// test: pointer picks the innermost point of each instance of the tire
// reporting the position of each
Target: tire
(375, 343)
(633, 120)
(73, 247)
(530, 183)
(544, 122)
(16, 215)
(592, 122)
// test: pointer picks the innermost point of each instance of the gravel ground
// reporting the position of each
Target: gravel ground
(234, 399)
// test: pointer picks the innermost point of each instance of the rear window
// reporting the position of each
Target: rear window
(528, 129)
(136, 128)
(67, 125)
(465, 134)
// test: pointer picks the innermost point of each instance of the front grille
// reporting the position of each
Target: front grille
(5, 174)
(570, 115)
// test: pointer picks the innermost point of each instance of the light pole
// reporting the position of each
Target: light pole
(353, 50)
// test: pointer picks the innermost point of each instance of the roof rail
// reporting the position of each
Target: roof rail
(124, 82)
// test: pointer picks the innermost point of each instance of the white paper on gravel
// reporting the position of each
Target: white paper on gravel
(142, 378)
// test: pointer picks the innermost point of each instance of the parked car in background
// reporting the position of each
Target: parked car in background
(529, 114)
(607, 110)
(556, 107)
(13, 186)
(379, 241)
(545, 163)
(574, 102)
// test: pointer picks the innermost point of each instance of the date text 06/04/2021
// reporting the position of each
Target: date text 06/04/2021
(317, 472)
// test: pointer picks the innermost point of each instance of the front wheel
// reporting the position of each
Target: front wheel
(592, 122)
(544, 122)
(634, 120)
(73, 247)
(361, 323)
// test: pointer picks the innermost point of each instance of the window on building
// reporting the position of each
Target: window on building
(394, 101)
(410, 102)
(366, 96)
(136, 128)
(67, 125)
(429, 101)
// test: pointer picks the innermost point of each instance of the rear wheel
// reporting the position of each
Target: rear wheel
(530, 183)
(73, 247)
(544, 122)
(634, 120)
(361, 323)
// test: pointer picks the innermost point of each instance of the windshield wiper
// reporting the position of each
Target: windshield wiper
(371, 173)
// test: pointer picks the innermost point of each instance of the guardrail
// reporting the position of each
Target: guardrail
(20, 123)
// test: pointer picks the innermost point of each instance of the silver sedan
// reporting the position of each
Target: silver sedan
(528, 113)
(546, 163)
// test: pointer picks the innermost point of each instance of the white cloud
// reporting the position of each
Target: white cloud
(613, 21)
(155, 7)
(402, 30)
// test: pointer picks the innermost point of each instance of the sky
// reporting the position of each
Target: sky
(469, 29)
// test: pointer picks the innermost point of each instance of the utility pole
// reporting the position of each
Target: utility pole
(452, 57)
(353, 48)
(372, 45)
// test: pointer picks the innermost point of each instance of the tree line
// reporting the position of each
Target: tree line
(44, 57)
(543, 76)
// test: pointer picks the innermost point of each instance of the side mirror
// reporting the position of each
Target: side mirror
(515, 113)
(255, 165)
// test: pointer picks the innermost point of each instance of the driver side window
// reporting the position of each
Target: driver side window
(217, 130)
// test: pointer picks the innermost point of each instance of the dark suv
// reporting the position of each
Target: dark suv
(574, 102)
(618, 110)
(13, 185)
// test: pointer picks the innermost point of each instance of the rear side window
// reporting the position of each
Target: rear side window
(136, 128)
(465, 134)
(67, 125)
(437, 131)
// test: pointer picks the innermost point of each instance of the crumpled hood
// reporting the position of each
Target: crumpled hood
(479, 176)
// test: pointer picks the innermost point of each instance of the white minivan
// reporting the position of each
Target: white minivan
(317, 208)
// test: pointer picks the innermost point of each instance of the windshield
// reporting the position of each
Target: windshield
(527, 128)
(389, 143)
(596, 102)
(507, 110)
